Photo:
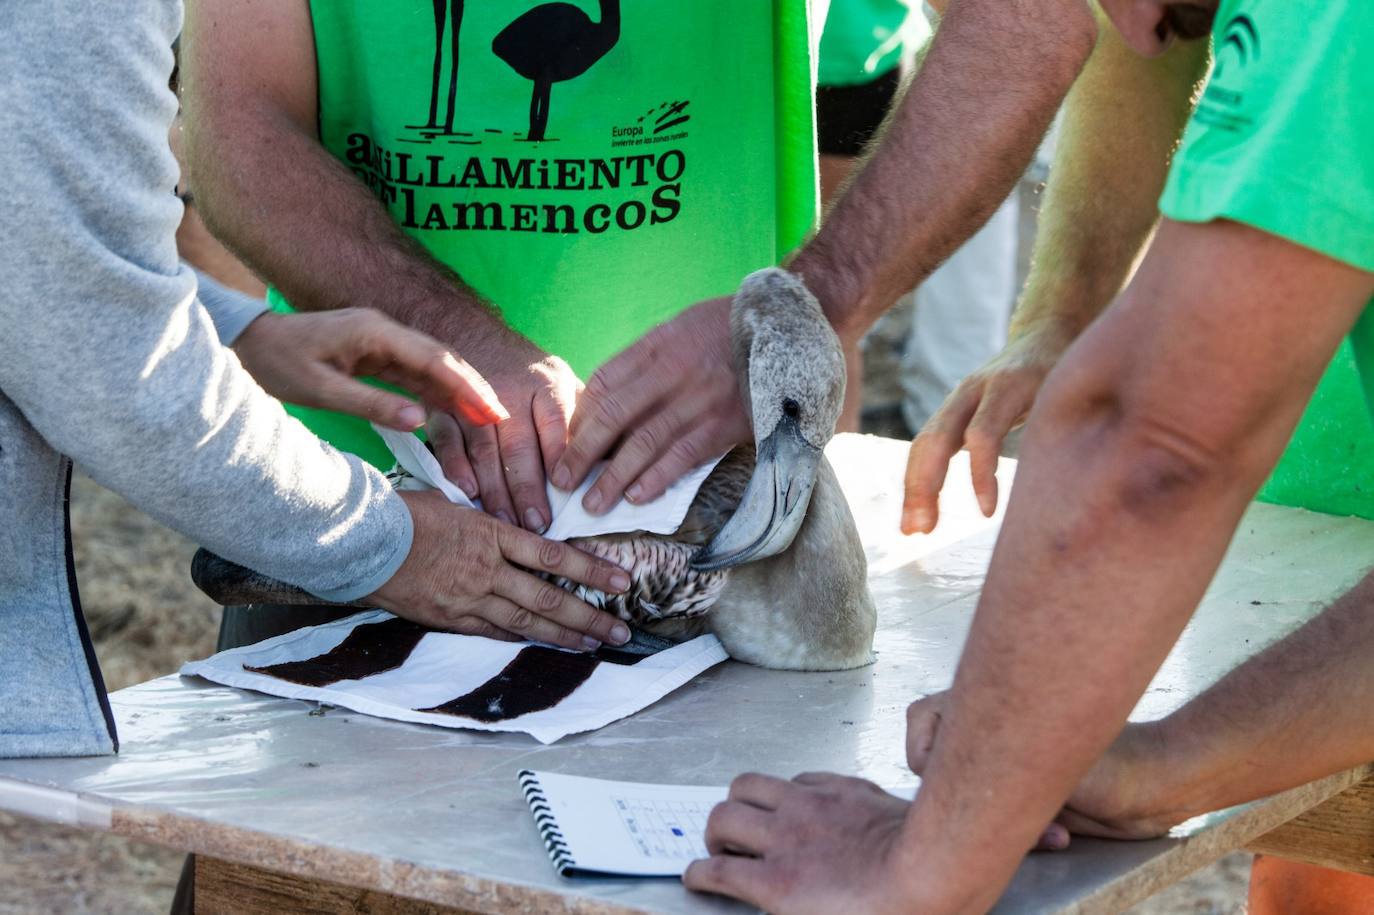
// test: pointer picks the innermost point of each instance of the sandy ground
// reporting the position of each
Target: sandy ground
(147, 618)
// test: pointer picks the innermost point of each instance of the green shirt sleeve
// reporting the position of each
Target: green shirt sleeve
(1283, 140)
(1283, 137)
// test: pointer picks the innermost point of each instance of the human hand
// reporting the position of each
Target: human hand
(504, 465)
(1123, 796)
(671, 401)
(1126, 794)
(978, 415)
(315, 359)
(470, 573)
(819, 843)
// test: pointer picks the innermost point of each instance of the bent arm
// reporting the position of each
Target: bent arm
(105, 348)
(1122, 122)
(318, 233)
(1147, 445)
(950, 153)
(248, 75)
(1312, 689)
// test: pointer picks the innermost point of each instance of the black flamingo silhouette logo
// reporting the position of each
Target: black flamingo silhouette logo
(446, 13)
(554, 43)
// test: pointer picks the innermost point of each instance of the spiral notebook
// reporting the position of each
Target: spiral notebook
(593, 827)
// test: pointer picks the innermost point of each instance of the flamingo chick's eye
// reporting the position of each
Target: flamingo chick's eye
(791, 408)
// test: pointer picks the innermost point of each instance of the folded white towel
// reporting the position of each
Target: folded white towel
(661, 516)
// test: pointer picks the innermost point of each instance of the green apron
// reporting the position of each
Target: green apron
(591, 169)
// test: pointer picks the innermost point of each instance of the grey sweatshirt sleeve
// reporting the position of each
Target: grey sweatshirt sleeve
(103, 345)
(230, 311)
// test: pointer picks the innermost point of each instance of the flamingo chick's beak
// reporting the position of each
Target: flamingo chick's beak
(774, 503)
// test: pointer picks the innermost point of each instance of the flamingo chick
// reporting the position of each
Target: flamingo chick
(768, 556)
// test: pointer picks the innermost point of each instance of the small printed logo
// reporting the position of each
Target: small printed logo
(671, 114)
(1239, 41)
(662, 123)
(1223, 105)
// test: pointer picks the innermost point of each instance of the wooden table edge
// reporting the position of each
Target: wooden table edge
(1206, 847)
(1249, 829)
(306, 861)
(298, 858)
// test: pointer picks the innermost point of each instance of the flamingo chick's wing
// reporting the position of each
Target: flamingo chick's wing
(663, 584)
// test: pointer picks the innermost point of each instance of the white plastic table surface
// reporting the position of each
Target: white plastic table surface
(436, 814)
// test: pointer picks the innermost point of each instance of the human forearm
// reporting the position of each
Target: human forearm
(206, 253)
(109, 356)
(313, 229)
(1121, 123)
(1139, 459)
(176, 426)
(950, 153)
(1312, 689)
(1039, 695)
(317, 231)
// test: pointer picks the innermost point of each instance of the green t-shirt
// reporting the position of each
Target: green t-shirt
(590, 170)
(863, 39)
(1283, 140)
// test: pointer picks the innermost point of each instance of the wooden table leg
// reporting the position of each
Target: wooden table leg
(1338, 833)
(224, 888)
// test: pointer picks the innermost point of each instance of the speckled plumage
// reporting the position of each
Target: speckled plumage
(663, 585)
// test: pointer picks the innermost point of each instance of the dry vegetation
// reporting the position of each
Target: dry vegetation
(147, 619)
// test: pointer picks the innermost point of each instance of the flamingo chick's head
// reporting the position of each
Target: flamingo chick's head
(792, 379)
